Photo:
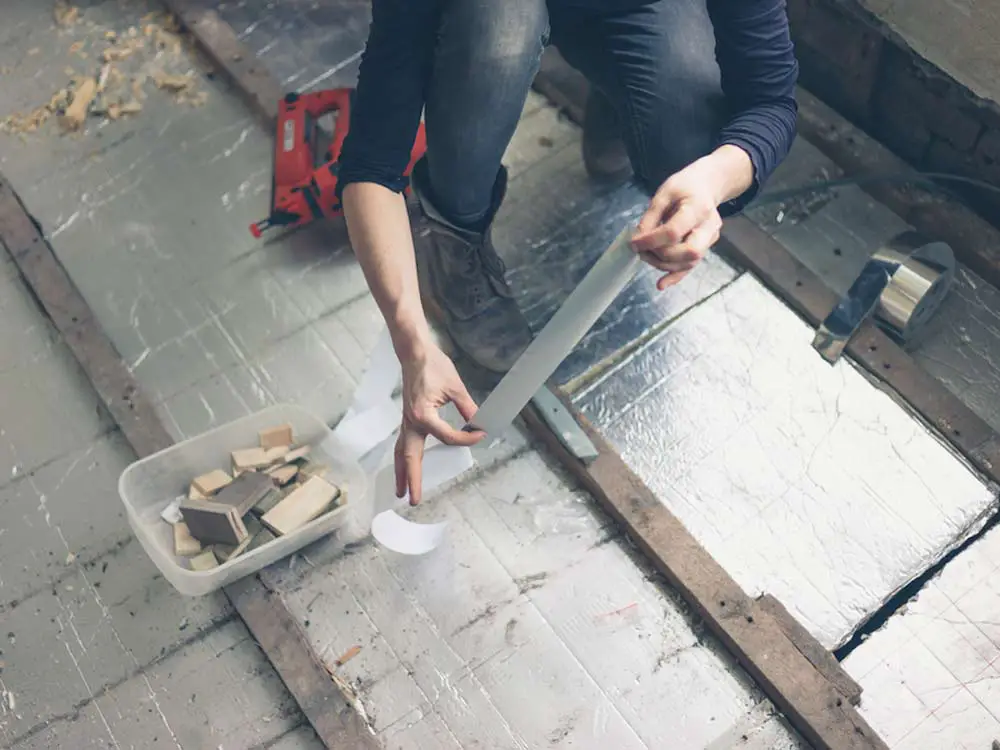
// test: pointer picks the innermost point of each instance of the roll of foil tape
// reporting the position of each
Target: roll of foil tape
(901, 287)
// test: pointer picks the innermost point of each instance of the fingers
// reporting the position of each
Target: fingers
(400, 464)
(665, 282)
(409, 461)
(677, 225)
(464, 403)
(680, 257)
(661, 205)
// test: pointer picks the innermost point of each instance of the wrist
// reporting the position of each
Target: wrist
(410, 334)
(731, 171)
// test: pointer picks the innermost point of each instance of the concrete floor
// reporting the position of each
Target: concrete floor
(149, 216)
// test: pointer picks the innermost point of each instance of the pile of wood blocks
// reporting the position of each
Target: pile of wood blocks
(272, 490)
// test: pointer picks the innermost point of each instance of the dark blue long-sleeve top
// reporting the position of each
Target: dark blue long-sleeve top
(753, 49)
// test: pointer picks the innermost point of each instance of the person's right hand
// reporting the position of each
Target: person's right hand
(429, 383)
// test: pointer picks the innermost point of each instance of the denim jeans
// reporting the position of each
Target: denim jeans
(655, 62)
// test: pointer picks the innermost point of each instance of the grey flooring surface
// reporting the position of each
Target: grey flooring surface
(150, 217)
(931, 676)
(97, 650)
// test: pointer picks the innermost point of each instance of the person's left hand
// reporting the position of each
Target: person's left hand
(683, 221)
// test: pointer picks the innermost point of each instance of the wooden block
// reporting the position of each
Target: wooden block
(307, 502)
(209, 484)
(283, 474)
(245, 491)
(311, 469)
(204, 561)
(297, 454)
(249, 458)
(185, 545)
(271, 499)
(261, 538)
(195, 494)
(274, 437)
(226, 552)
(277, 454)
(213, 523)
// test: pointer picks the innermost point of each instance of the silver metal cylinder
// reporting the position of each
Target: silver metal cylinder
(901, 286)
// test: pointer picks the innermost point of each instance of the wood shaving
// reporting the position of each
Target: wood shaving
(30, 122)
(65, 14)
(76, 112)
(167, 40)
(119, 109)
(174, 83)
(126, 58)
(170, 22)
(122, 51)
(195, 100)
(348, 655)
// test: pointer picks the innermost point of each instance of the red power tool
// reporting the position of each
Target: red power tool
(304, 184)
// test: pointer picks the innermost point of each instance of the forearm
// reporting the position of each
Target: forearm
(379, 228)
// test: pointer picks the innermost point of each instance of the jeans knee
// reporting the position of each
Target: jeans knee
(667, 133)
(671, 146)
(500, 41)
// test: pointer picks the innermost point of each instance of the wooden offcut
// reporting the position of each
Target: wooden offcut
(210, 483)
(276, 454)
(212, 523)
(185, 545)
(204, 561)
(249, 458)
(284, 474)
(226, 552)
(76, 112)
(245, 492)
(269, 500)
(274, 437)
(307, 502)
(297, 454)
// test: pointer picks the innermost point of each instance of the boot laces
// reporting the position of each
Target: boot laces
(479, 267)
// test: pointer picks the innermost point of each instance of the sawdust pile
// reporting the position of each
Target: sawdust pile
(118, 69)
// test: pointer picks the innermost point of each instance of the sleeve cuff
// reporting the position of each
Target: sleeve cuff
(736, 205)
(393, 181)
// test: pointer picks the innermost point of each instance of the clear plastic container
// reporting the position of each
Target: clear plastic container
(147, 486)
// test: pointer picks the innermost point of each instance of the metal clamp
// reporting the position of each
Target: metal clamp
(901, 287)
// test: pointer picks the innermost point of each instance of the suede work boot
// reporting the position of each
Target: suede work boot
(462, 283)
(604, 153)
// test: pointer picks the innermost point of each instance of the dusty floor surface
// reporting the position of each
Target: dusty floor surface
(534, 601)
